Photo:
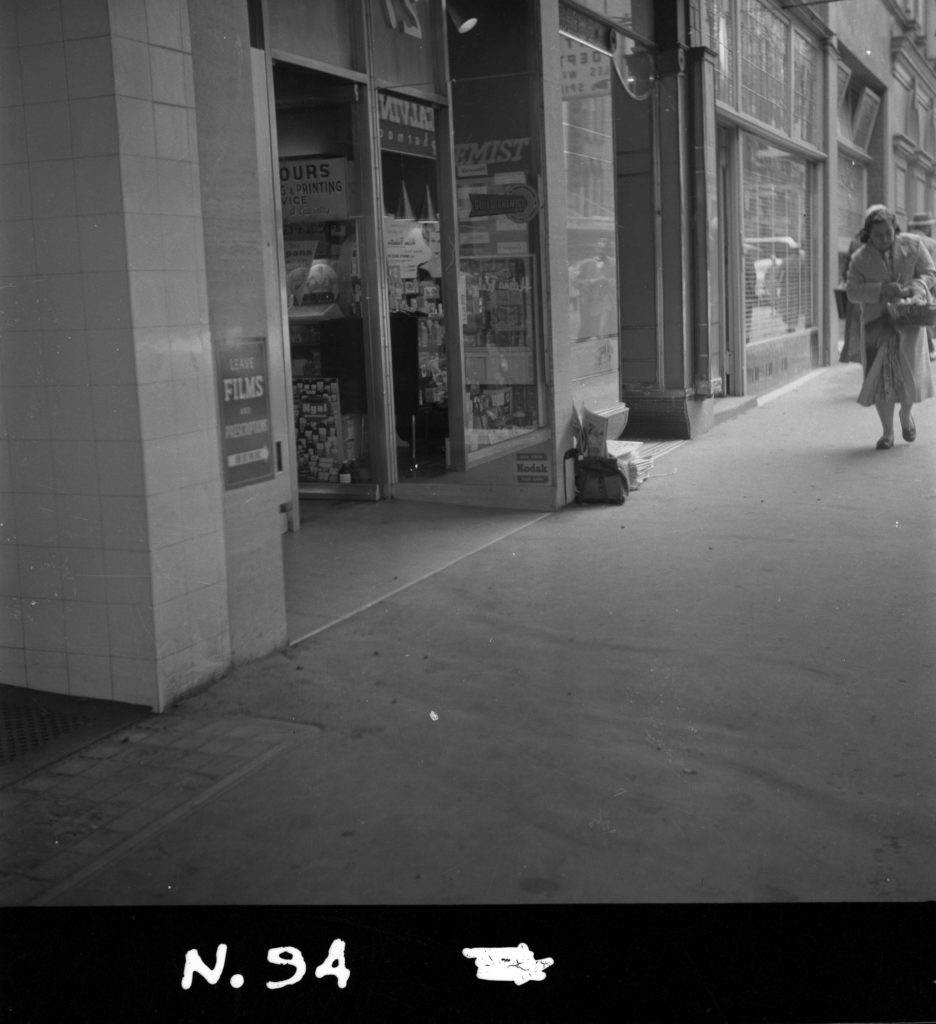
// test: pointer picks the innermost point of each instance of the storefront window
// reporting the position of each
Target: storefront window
(778, 199)
(852, 190)
(720, 28)
(326, 30)
(764, 65)
(805, 89)
(590, 219)
(632, 15)
(497, 206)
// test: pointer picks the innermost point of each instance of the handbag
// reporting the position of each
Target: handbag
(599, 479)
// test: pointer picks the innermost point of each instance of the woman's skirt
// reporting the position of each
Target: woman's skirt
(896, 363)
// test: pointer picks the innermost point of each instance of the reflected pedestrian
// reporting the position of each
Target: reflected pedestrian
(887, 267)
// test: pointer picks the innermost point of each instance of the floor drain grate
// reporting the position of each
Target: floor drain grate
(26, 728)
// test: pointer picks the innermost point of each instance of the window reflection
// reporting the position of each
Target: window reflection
(590, 223)
(778, 250)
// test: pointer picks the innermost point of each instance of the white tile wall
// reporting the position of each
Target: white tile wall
(43, 74)
(38, 571)
(18, 253)
(82, 18)
(84, 576)
(128, 18)
(53, 188)
(134, 680)
(65, 358)
(13, 665)
(111, 519)
(38, 21)
(112, 359)
(89, 675)
(47, 671)
(57, 246)
(120, 467)
(97, 183)
(89, 66)
(21, 358)
(103, 242)
(15, 189)
(94, 126)
(75, 467)
(86, 629)
(43, 624)
(11, 622)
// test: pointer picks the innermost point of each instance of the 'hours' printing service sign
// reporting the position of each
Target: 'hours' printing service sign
(243, 397)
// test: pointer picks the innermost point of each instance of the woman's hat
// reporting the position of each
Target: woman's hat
(922, 220)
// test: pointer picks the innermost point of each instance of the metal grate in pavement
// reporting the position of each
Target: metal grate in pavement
(25, 728)
(38, 728)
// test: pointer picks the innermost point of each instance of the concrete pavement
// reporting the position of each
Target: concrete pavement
(722, 691)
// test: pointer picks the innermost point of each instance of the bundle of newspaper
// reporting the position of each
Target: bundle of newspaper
(596, 427)
(634, 465)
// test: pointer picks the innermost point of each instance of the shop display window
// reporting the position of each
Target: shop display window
(497, 206)
(778, 197)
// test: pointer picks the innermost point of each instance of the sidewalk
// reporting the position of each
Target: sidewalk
(721, 691)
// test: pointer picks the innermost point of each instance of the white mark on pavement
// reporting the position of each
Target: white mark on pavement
(433, 716)
(508, 963)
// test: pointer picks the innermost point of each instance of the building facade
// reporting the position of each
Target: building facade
(262, 252)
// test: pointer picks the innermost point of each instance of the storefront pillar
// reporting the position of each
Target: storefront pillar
(706, 326)
(830, 229)
(672, 407)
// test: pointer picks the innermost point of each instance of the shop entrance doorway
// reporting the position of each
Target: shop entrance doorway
(318, 123)
(417, 316)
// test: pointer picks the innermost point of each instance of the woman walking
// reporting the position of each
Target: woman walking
(890, 266)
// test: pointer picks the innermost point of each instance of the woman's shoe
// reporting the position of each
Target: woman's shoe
(909, 433)
(884, 443)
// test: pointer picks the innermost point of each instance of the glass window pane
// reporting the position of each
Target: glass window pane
(805, 89)
(720, 29)
(590, 220)
(497, 202)
(778, 201)
(764, 65)
(322, 31)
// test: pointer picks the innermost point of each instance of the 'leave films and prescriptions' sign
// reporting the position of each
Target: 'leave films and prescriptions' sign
(244, 400)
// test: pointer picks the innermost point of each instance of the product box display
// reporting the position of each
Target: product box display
(319, 442)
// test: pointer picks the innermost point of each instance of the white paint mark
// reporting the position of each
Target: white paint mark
(292, 957)
(508, 963)
(334, 964)
(237, 981)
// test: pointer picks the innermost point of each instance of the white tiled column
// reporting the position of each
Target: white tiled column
(111, 533)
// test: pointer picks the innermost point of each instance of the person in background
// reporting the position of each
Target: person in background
(887, 267)
(921, 224)
(851, 348)
(596, 279)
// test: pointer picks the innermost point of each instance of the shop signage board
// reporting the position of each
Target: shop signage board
(532, 468)
(518, 202)
(406, 125)
(313, 189)
(244, 401)
(586, 72)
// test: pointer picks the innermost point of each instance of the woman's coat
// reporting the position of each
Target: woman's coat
(868, 270)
